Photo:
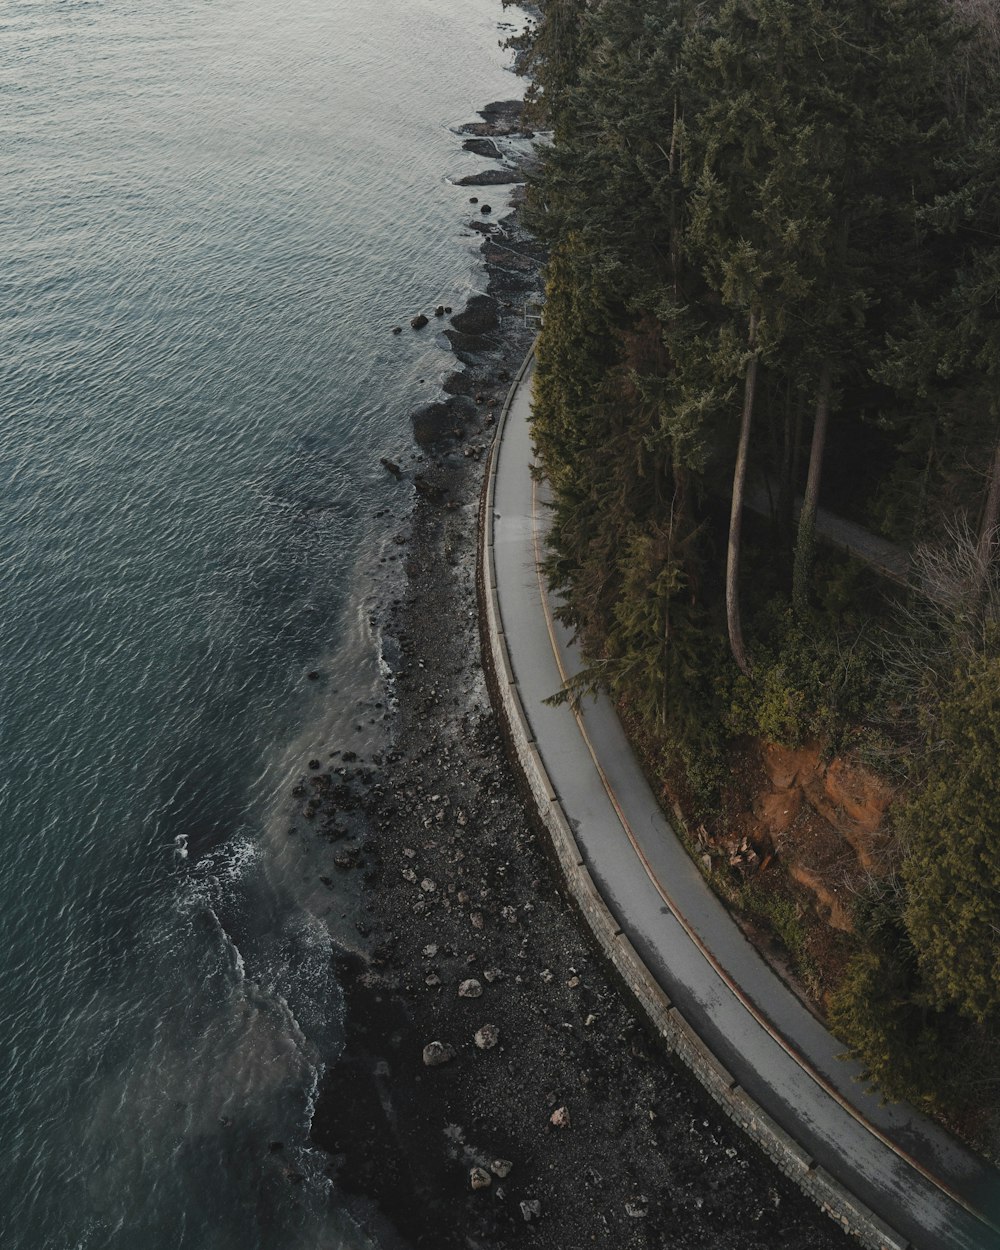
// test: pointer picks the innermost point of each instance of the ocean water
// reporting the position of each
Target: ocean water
(211, 214)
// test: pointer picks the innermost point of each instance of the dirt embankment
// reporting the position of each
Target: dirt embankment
(800, 836)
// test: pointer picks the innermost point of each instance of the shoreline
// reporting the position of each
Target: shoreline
(460, 887)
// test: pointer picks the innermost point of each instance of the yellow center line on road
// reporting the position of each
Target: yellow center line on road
(743, 998)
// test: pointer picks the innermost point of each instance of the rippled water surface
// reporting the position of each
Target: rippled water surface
(211, 213)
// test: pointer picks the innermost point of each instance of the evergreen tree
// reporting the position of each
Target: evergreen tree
(952, 866)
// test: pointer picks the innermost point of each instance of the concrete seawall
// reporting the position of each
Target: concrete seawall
(854, 1216)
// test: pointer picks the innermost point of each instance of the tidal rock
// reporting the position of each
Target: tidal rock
(487, 1037)
(397, 329)
(470, 989)
(390, 466)
(473, 199)
(314, 764)
(479, 1178)
(439, 311)
(437, 1053)
(492, 178)
(482, 147)
(501, 1168)
(560, 1117)
(486, 209)
(418, 322)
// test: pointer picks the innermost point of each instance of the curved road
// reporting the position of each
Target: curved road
(923, 1183)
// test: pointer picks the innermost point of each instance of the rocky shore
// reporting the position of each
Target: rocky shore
(496, 1084)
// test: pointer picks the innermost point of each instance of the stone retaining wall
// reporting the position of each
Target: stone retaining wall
(737, 1104)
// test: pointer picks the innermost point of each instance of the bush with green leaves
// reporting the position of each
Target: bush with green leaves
(952, 864)
(809, 680)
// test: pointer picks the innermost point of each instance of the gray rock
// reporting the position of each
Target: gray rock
(531, 1209)
(487, 1037)
(501, 1168)
(470, 989)
(560, 1118)
(418, 322)
(637, 1208)
(479, 1178)
(437, 1053)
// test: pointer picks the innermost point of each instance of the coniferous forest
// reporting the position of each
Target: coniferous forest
(773, 298)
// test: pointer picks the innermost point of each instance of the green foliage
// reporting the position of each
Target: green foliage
(781, 914)
(825, 171)
(902, 1047)
(810, 680)
(952, 865)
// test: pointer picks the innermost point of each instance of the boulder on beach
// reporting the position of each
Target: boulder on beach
(560, 1118)
(531, 1209)
(418, 322)
(470, 989)
(487, 1037)
(437, 1053)
(479, 1178)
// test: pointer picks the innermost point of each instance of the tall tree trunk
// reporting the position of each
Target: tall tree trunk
(991, 518)
(810, 502)
(736, 513)
(675, 245)
(677, 506)
(792, 438)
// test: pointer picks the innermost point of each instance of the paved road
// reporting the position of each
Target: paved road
(771, 1043)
